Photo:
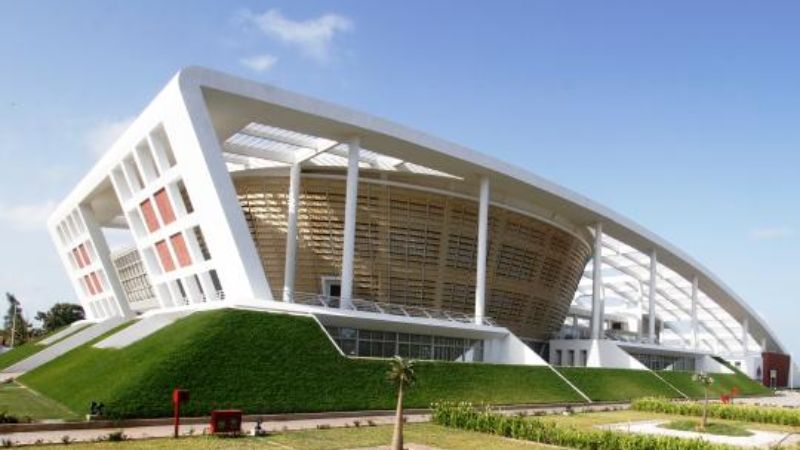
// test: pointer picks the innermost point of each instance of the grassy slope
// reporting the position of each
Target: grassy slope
(265, 363)
(617, 384)
(17, 354)
(723, 383)
(21, 402)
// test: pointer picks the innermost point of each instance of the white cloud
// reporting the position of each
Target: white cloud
(104, 133)
(772, 233)
(259, 63)
(313, 37)
(27, 217)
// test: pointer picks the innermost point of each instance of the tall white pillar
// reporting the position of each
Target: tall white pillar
(651, 329)
(291, 234)
(483, 232)
(745, 335)
(597, 283)
(695, 289)
(350, 206)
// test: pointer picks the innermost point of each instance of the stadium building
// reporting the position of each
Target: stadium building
(238, 194)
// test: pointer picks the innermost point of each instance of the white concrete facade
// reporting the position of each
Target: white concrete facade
(167, 179)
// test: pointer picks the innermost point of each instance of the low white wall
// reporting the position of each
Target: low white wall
(600, 353)
(510, 350)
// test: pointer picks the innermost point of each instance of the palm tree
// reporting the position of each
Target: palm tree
(401, 374)
(706, 381)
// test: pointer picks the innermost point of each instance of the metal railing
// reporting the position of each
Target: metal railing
(362, 305)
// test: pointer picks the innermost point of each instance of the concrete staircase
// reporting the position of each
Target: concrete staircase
(59, 348)
(141, 329)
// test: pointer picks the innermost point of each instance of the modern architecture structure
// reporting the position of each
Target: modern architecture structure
(239, 194)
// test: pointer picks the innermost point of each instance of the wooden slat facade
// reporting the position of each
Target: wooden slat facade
(418, 248)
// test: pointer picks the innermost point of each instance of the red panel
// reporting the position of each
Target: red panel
(88, 282)
(77, 257)
(181, 252)
(84, 254)
(778, 362)
(164, 207)
(149, 215)
(96, 280)
(164, 256)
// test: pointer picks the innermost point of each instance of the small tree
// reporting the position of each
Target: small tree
(17, 329)
(401, 374)
(59, 315)
(706, 380)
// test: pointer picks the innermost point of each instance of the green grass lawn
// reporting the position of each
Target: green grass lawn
(267, 363)
(717, 428)
(333, 439)
(21, 402)
(723, 383)
(17, 354)
(617, 384)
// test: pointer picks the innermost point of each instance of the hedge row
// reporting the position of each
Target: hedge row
(464, 416)
(742, 413)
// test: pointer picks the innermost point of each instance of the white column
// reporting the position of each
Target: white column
(745, 334)
(351, 202)
(597, 284)
(651, 329)
(291, 234)
(695, 289)
(483, 232)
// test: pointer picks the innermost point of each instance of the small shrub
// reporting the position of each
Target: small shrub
(738, 412)
(357, 423)
(66, 440)
(8, 418)
(464, 416)
(7, 443)
(323, 426)
(371, 423)
(117, 436)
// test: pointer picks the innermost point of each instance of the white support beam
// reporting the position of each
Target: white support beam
(745, 335)
(291, 234)
(695, 289)
(651, 328)
(483, 232)
(350, 207)
(597, 283)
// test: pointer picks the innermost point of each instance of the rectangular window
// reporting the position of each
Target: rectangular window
(77, 257)
(181, 252)
(149, 216)
(164, 256)
(88, 283)
(584, 357)
(84, 254)
(164, 206)
(97, 286)
(557, 362)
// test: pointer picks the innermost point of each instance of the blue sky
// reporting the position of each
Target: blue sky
(681, 115)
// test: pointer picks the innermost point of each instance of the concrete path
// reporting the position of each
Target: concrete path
(785, 399)
(32, 437)
(59, 348)
(762, 439)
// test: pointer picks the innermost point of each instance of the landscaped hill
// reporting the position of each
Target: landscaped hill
(617, 384)
(723, 384)
(268, 363)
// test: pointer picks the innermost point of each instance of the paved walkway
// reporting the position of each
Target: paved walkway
(31, 437)
(787, 399)
(762, 439)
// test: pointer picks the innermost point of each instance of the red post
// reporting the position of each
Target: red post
(178, 396)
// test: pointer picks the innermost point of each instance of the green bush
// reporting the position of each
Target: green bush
(465, 417)
(741, 413)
